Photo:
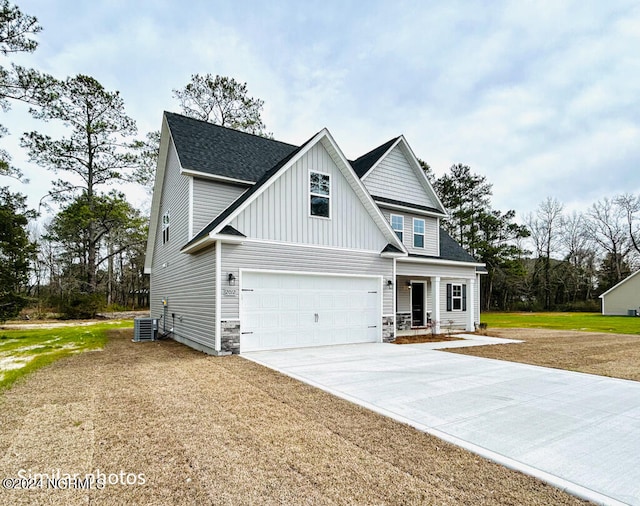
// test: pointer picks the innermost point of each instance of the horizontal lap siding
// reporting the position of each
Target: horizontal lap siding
(210, 198)
(303, 259)
(394, 179)
(431, 232)
(453, 318)
(448, 274)
(281, 212)
(403, 303)
(189, 286)
(624, 297)
(187, 281)
(423, 269)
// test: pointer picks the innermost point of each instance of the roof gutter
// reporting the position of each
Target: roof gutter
(390, 254)
(216, 177)
(440, 261)
(210, 239)
(411, 210)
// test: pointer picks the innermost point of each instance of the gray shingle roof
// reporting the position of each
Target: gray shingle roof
(242, 198)
(221, 151)
(449, 250)
(390, 248)
(217, 150)
(385, 200)
(362, 164)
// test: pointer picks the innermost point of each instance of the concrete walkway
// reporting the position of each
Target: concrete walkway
(579, 432)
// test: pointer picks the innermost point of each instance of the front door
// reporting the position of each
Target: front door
(417, 304)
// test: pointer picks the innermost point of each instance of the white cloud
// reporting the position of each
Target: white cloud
(541, 97)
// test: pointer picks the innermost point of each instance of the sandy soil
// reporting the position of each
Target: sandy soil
(615, 355)
(205, 430)
(52, 324)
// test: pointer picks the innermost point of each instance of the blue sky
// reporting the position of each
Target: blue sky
(543, 98)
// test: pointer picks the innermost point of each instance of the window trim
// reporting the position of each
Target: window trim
(424, 229)
(462, 297)
(311, 194)
(391, 217)
(166, 221)
(456, 298)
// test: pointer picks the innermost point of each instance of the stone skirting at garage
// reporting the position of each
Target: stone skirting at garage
(388, 332)
(230, 338)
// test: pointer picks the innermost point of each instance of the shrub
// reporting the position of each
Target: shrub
(81, 306)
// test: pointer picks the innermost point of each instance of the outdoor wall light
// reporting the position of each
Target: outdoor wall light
(389, 284)
(232, 279)
(409, 285)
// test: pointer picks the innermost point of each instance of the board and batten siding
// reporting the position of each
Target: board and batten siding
(186, 281)
(281, 212)
(210, 198)
(431, 232)
(292, 258)
(393, 178)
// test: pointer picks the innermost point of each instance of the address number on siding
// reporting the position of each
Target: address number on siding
(230, 292)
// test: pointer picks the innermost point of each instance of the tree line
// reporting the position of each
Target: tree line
(90, 254)
(553, 260)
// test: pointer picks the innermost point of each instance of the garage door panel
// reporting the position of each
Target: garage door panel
(296, 310)
(290, 302)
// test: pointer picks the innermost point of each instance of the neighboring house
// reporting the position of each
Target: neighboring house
(257, 244)
(622, 298)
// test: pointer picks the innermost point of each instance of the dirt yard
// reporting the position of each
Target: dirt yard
(615, 355)
(204, 430)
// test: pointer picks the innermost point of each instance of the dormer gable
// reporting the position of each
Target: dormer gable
(392, 175)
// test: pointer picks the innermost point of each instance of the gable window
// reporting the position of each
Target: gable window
(418, 233)
(397, 224)
(165, 228)
(319, 194)
(456, 297)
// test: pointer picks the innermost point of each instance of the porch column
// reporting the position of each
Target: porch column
(471, 304)
(436, 303)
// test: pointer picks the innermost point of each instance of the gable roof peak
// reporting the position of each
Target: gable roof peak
(364, 163)
(324, 137)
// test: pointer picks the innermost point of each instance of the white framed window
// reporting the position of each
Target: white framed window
(418, 233)
(397, 224)
(319, 194)
(165, 228)
(456, 297)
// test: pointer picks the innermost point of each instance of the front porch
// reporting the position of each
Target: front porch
(434, 304)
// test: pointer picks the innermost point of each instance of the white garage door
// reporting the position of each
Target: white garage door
(295, 310)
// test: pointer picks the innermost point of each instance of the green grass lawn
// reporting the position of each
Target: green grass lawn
(25, 350)
(589, 322)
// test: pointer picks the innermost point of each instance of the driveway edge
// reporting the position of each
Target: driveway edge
(560, 483)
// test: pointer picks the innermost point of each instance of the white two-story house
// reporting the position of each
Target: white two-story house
(257, 244)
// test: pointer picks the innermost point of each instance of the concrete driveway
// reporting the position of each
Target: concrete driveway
(577, 431)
